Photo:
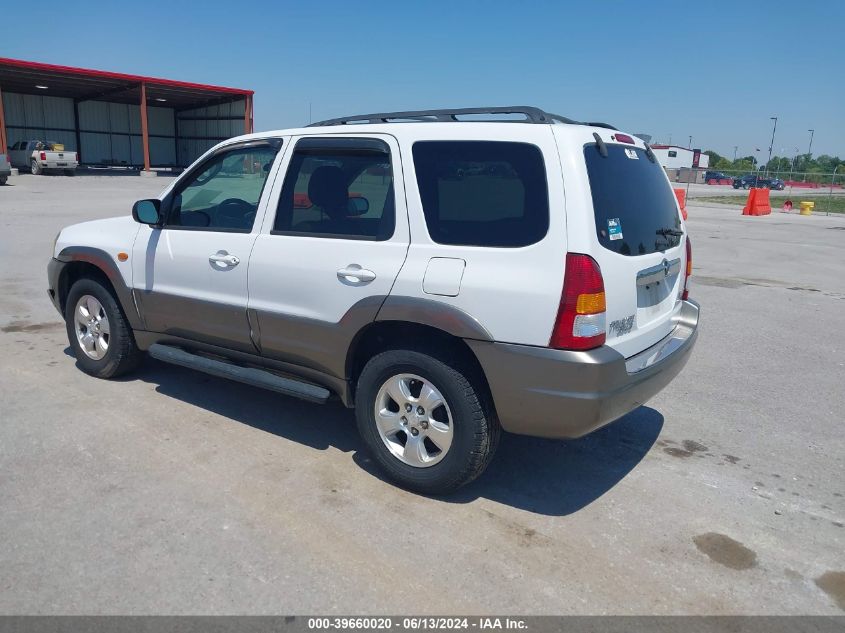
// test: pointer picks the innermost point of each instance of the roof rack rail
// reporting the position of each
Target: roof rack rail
(532, 115)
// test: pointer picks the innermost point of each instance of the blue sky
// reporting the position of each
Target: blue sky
(713, 70)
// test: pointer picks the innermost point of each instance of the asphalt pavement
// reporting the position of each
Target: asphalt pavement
(174, 492)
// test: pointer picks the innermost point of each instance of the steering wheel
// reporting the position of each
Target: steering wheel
(234, 211)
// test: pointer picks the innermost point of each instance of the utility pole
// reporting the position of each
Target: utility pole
(690, 143)
(809, 154)
(772, 144)
(736, 147)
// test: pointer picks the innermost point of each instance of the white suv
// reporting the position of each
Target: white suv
(448, 277)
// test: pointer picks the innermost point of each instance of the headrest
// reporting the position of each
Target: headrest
(327, 189)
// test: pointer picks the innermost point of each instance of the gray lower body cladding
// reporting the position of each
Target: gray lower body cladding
(536, 391)
(54, 271)
(563, 394)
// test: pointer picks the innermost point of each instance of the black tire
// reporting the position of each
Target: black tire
(123, 354)
(476, 430)
(35, 168)
(3, 180)
(70, 172)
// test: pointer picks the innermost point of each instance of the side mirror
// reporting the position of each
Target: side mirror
(357, 205)
(147, 211)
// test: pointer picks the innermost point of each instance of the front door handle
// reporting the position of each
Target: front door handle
(353, 273)
(223, 258)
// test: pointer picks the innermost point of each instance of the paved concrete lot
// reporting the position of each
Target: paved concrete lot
(174, 492)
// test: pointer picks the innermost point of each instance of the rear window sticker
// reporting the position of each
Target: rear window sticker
(614, 229)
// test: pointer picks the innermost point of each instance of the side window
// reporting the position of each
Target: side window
(482, 193)
(341, 188)
(223, 195)
(673, 154)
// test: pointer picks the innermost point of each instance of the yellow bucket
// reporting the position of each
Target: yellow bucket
(807, 208)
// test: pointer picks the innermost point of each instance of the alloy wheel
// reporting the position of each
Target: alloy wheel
(413, 420)
(93, 331)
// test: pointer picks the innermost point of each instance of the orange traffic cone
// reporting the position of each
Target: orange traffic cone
(681, 195)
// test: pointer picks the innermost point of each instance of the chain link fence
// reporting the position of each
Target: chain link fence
(827, 190)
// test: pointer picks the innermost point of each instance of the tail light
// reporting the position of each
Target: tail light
(688, 271)
(580, 322)
(43, 155)
(623, 138)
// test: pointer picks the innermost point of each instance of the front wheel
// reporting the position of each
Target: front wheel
(35, 168)
(3, 180)
(425, 422)
(99, 335)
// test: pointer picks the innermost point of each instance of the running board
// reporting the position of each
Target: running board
(246, 375)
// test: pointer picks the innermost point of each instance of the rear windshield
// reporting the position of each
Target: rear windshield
(634, 205)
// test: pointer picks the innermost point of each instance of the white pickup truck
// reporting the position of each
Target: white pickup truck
(36, 156)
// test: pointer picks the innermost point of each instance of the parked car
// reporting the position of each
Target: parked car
(715, 175)
(5, 169)
(443, 309)
(754, 180)
(38, 156)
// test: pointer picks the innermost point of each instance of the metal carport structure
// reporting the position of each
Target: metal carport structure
(115, 118)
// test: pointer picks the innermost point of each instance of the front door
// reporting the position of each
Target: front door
(190, 275)
(334, 238)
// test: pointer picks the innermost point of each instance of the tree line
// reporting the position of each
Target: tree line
(817, 169)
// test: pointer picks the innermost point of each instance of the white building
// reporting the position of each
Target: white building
(674, 157)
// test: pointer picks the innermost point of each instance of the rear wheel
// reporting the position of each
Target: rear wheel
(98, 332)
(426, 423)
(3, 180)
(35, 168)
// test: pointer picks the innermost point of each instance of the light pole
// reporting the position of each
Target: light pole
(771, 145)
(690, 143)
(830, 194)
(736, 147)
(792, 166)
(809, 154)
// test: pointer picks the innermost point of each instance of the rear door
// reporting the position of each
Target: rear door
(333, 241)
(621, 210)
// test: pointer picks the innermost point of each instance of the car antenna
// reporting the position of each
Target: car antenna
(600, 144)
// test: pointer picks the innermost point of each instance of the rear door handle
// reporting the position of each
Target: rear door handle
(353, 273)
(224, 259)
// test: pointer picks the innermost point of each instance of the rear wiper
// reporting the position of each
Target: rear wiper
(672, 232)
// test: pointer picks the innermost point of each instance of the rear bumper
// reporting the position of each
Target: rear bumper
(563, 394)
(53, 164)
